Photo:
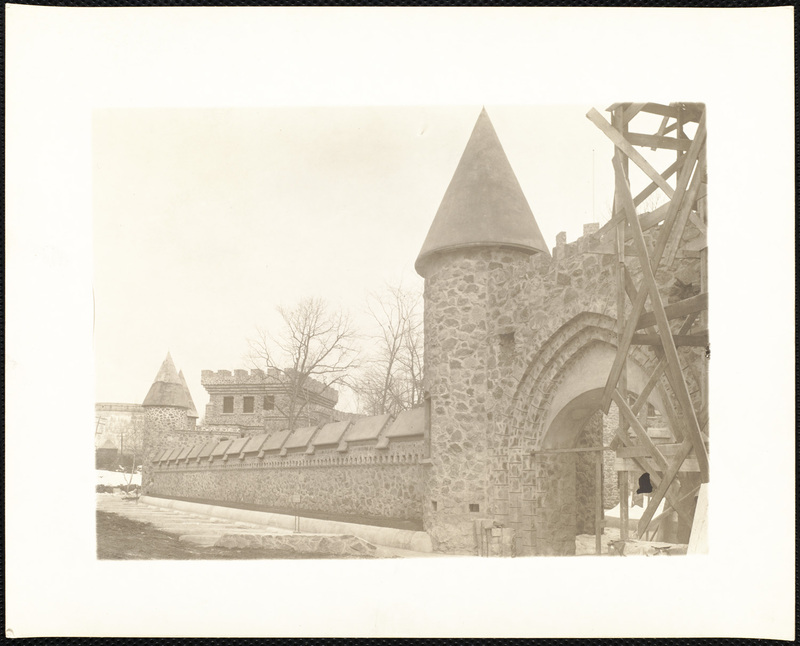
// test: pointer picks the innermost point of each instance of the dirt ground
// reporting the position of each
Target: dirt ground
(119, 538)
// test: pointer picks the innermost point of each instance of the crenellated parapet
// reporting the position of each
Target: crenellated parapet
(260, 401)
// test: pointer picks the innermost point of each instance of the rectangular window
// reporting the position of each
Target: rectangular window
(474, 507)
(227, 404)
(269, 402)
(248, 405)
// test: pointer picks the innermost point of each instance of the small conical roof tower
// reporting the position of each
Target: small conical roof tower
(484, 204)
(192, 410)
(167, 389)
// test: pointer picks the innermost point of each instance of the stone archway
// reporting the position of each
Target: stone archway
(557, 398)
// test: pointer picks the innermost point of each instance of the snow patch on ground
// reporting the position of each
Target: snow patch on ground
(117, 478)
(634, 513)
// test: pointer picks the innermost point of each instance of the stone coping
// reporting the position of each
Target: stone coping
(300, 438)
(195, 451)
(254, 443)
(220, 449)
(275, 441)
(157, 457)
(206, 450)
(331, 433)
(172, 455)
(409, 423)
(237, 446)
(368, 428)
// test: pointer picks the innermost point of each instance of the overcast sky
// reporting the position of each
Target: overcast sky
(205, 220)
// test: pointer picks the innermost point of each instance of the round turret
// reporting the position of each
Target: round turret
(483, 233)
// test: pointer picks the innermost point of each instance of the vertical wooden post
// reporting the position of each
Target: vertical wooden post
(598, 512)
(704, 324)
(618, 122)
(624, 501)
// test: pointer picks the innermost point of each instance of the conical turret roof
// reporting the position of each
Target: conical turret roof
(484, 204)
(189, 400)
(167, 389)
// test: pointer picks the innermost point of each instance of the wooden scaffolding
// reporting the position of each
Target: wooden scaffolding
(678, 467)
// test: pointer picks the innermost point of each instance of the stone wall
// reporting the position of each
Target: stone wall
(369, 467)
(461, 346)
(160, 423)
(512, 343)
(586, 475)
(363, 482)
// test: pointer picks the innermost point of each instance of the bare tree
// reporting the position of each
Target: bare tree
(392, 380)
(130, 433)
(314, 350)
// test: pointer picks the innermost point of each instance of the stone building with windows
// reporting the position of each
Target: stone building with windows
(256, 401)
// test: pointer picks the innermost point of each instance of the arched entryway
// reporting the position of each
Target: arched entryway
(556, 411)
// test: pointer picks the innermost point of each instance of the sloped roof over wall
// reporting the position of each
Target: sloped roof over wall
(408, 423)
(484, 204)
(331, 433)
(255, 442)
(300, 437)
(276, 440)
(236, 446)
(367, 428)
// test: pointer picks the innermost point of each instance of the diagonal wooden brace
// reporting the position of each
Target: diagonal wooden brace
(669, 221)
(664, 485)
(641, 434)
(625, 146)
(674, 372)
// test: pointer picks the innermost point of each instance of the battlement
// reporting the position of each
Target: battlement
(602, 240)
(256, 377)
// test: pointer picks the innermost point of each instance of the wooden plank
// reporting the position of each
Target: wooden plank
(698, 539)
(646, 465)
(630, 288)
(683, 180)
(641, 400)
(624, 503)
(699, 340)
(696, 221)
(619, 215)
(691, 305)
(641, 433)
(700, 243)
(632, 110)
(598, 508)
(638, 451)
(674, 372)
(588, 449)
(691, 112)
(627, 336)
(686, 210)
(681, 187)
(634, 155)
(661, 110)
(658, 142)
(666, 482)
(689, 465)
(676, 424)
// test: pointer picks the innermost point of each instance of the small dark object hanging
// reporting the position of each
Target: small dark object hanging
(644, 484)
